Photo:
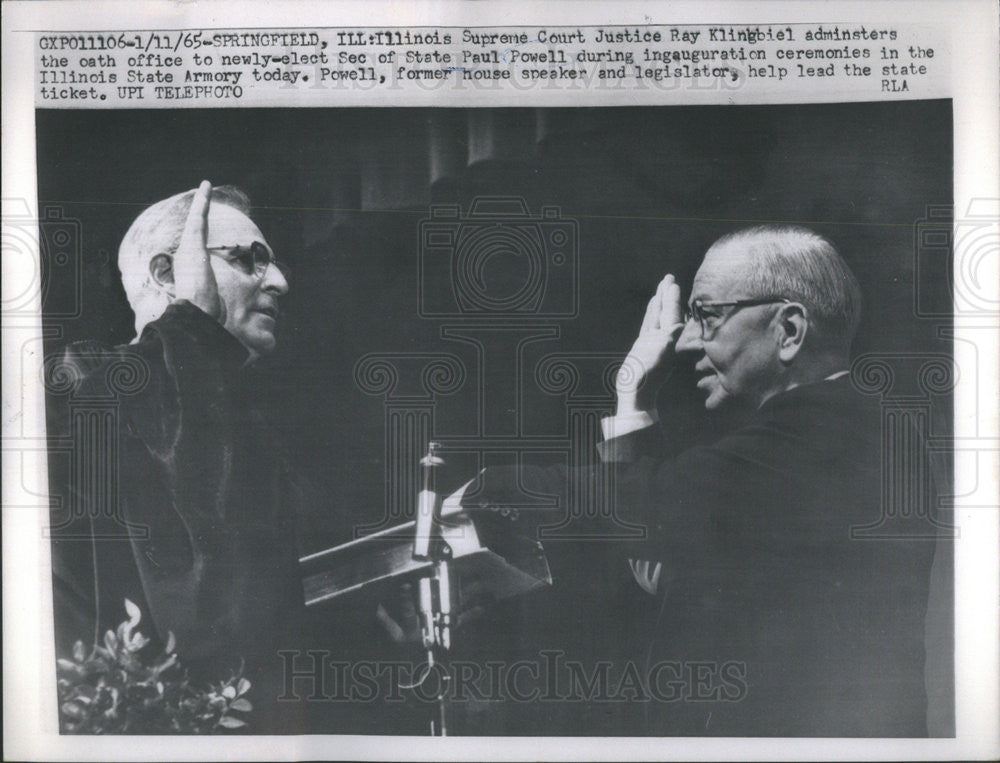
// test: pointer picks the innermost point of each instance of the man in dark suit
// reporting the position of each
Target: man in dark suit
(770, 619)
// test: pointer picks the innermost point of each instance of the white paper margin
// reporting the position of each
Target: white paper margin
(29, 693)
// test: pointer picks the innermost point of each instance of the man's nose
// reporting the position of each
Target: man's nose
(690, 338)
(274, 280)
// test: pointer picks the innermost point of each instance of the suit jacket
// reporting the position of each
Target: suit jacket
(771, 619)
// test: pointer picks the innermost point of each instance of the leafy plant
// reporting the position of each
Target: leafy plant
(116, 690)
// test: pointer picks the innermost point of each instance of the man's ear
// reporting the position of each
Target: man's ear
(161, 268)
(793, 320)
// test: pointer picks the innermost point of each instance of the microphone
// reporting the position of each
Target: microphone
(428, 505)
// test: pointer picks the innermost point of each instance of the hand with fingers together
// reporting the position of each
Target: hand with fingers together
(650, 360)
(194, 279)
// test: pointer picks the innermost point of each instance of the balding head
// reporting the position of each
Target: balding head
(801, 266)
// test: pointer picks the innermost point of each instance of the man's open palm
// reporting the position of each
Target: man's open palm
(194, 279)
(649, 361)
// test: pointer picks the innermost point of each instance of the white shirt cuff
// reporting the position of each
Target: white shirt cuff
(619, 426)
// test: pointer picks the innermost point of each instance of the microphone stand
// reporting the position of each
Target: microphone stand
(435, 588)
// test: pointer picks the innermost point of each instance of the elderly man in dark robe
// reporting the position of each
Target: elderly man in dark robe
(207, 495)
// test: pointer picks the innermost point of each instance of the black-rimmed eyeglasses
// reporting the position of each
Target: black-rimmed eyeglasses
(711, 315)
(252, 260)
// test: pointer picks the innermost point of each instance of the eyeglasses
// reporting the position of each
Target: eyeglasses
(252, 260)
(711, 316)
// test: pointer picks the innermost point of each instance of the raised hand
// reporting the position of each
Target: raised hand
(648, 363)
(194, 279)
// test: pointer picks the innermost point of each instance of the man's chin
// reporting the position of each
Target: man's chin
(717, 399)
(259, 345)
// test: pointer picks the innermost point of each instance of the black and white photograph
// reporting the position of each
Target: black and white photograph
(682, 368)
(506, 422)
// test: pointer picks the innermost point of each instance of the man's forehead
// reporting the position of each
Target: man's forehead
(720, 270)
(225, 222)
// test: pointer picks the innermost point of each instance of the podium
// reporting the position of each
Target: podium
(502, 562)
(444, 552)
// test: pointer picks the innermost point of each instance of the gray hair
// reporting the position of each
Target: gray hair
(798, 264)
(158, 231)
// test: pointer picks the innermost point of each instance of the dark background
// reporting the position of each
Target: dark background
(340, 194)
